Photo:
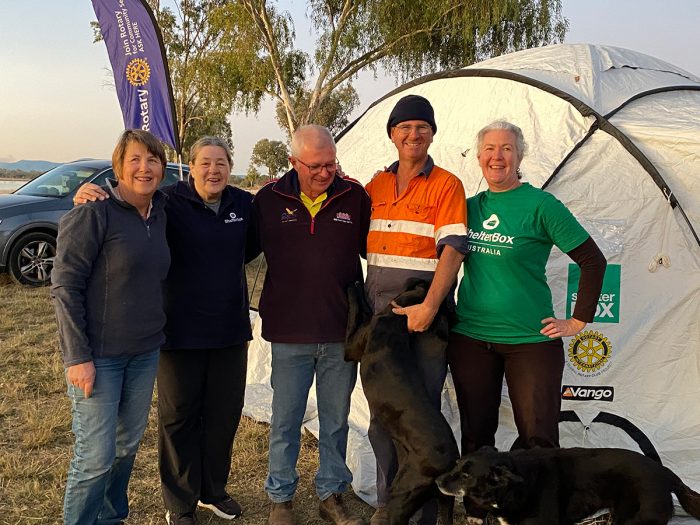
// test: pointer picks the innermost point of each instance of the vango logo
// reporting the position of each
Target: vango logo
(587, 393)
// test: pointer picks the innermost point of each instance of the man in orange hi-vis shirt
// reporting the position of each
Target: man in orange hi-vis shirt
(417, 229)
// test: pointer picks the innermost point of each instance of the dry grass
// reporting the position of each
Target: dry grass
(35, 436)
(36, 441)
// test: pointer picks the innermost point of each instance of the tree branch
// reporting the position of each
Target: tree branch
(262, 21)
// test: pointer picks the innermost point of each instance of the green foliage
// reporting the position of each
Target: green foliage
(333, 112)
(271, 155)
(404, 37)
(229, 54)
(215, 62)
(209, 54)
(252, 178)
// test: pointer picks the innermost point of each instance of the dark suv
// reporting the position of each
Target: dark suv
(29, 216)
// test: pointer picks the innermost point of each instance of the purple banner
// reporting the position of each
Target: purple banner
(140, 67)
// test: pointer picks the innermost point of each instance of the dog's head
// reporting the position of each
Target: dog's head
(485, 478)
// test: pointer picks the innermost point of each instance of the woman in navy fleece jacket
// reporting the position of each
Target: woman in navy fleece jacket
(111, 260)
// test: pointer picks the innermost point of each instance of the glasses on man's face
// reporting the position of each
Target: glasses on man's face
(315, 169)
(421, 129)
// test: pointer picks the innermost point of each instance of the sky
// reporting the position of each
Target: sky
(57, 102)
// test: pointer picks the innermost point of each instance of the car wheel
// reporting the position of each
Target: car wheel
(31, 259)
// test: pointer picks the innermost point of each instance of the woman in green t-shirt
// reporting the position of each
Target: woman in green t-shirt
(505, 319)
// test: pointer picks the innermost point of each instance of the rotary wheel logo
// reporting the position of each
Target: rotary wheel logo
(138, 72)
(589, 351)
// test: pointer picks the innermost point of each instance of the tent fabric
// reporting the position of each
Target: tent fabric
(615, 135)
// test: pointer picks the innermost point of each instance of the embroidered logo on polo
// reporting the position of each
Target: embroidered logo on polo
(233, 218)
(289, 215)
(342, 216)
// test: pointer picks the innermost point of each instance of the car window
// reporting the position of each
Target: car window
(172, 175)
(58, 182)
(101, 179)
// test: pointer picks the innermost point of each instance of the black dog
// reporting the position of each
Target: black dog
(396, 396)
(563, 486)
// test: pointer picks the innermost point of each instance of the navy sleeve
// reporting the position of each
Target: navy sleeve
(80, 237)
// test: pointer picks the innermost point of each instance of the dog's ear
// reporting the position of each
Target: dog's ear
(359, 314)
(512, 491)
(505, 475)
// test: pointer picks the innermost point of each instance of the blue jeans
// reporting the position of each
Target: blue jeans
(108, 427)
(293, 368)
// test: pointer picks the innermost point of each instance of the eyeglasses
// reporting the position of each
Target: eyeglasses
(315, 169)
(422, 129)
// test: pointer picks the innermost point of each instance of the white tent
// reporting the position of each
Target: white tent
(615, 135)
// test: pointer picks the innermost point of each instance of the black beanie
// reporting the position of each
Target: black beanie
(411, 107)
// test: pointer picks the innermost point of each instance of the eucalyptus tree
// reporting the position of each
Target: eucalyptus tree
(215, 63)
(271, 155)
(404, 37)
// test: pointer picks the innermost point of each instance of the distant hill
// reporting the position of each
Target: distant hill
(29, 165)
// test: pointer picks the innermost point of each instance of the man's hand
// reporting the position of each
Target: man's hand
(89, 192)
(420, 316)
(82, 376)
(555, 328)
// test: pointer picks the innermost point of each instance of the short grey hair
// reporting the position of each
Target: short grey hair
(496, 125)
(313, 135)
(210, 141)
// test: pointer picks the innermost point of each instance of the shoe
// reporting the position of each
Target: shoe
(331, 509)
(281, 514)
(380, 517)
(186, 518)
(226, 509)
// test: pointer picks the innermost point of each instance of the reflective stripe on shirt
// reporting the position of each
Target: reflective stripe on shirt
(401, 261)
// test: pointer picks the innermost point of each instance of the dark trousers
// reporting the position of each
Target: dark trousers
(200, 399)
(533, 373)
(431, 362)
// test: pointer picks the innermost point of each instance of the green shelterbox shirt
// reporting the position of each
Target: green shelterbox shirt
(504, 295)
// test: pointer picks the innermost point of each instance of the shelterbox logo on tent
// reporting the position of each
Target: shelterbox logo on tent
(608, 310)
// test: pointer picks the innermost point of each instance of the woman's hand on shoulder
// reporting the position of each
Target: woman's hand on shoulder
(554, 328)
(89, 192)
(82, 375)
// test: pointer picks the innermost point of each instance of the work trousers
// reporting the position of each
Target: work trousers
(200, 400)
(533, 373)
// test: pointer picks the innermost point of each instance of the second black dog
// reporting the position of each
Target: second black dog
(396, 396)
(563, 486)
